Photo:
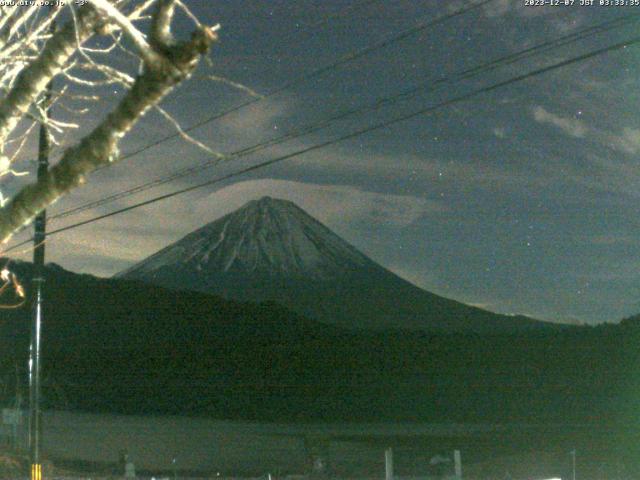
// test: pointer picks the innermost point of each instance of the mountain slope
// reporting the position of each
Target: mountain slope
(271, 249)
(123, 346)
(266, 237)
(126, 346)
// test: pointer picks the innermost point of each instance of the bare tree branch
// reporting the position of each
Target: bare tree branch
(161, 23)
(175, 63)
(137, 38)
(33, 79)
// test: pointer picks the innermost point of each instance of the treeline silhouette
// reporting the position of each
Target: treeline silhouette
(127, 347)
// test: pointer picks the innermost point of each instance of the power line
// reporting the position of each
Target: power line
(383, 102)
(308, 30)
(276, 140)
(378, 126)
(354, 55)
(421, 26)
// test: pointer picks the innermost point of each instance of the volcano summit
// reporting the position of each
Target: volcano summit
(272, 250)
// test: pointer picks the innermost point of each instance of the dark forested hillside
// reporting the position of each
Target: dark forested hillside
(123, 346)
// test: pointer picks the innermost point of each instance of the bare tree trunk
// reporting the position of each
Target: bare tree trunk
(165, 65)
(33, 80)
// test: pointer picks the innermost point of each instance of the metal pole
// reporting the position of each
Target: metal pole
(35, 413)
(388, 463)
(457, 461)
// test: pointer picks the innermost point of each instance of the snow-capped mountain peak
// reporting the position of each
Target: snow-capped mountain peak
(270, 236)
(272, 250)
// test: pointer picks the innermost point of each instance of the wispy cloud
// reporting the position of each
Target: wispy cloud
(628, 141)
(610, 239)
(499, 8)
(334, 205)
(110, 245)
(500, 132)
(570, 126)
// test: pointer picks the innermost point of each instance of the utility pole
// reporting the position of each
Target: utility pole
(388, 463)
(457, 462)
(35, 413)
(573, 455)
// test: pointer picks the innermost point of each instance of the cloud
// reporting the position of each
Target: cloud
(334, 205)
(259, 115)
(482, 305)
(500, 132)
(110, 245)
(436, 174)
(570, 126)
(608, 172)
(498, 8)
(567, 25)
(610, 239)
(628, 141)
(625, 270)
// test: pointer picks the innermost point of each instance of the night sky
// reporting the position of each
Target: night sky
(521, 200)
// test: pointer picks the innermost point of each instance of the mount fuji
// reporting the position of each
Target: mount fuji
(272, 250)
